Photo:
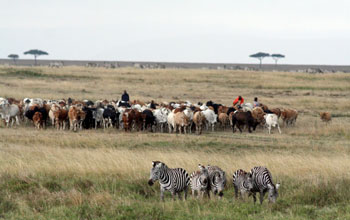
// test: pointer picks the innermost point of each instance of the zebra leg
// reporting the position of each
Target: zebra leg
(261, 197)
(192, 193)
(178, 195)
(185, 193)
(162, 194)
(236, 192)
(173, 195)
(208, 193)
(254, 197)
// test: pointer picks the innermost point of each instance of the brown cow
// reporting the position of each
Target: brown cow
(128, 119)
(180, 109)
(38, 120)
(243, 118)
(199, 121)
(223, 119)
(81, 118)
(289, 116)
(258, 114)
(73, 118)
(222, 109)
(61, 117)
(276, 111)
(326, 116)
(181, 121)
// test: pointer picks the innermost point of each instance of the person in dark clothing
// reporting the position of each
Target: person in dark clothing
(152, 105)
(125, 100)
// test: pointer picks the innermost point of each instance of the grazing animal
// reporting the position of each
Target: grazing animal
(38, 120)
(276, 111)
(148, 119)
(181, 121)
(262, 183)
(61, 117)
(242, 182)
(98, 116)
(174, 180)
(217, 179)
(161, 117)
(211, 118)
(9, 112)
(200, 182)
(325, 116)
(243, 118)
(271, 120)
(258, 114)
(223, 119)
(289, 116)
(128, 119)
(199, 121)
(110, 117)
(73, 118)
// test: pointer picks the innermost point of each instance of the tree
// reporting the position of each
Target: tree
(14, 57)
(276, 57)
(260, 56)
(36, 53)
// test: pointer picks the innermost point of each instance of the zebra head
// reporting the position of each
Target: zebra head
(156, 169)
(273, 192)
(219, 182)
(204, 177)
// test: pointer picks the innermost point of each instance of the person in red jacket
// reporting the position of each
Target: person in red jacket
(238, 101)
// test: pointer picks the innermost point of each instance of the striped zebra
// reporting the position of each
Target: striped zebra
(217, 179)
(174, 180)
(262, 183)
(200, 182)
(242, 182)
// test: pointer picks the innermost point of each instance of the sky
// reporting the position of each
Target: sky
(305, 31)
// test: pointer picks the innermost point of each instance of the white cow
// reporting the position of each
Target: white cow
(189, 113)
(210, 117)
(171, 121)
(271, 120)
(161, 116)
(247, 107)
(98, 116)
(9, 112)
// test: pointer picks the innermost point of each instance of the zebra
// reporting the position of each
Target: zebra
(242, 182)
(200, 181)
(262, 183)
(174, 180)
(217, 179)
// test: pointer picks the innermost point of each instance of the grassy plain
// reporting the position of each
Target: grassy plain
(100, 174)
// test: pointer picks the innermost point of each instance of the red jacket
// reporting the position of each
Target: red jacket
(236, 101)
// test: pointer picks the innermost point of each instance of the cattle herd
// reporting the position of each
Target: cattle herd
(172, 117)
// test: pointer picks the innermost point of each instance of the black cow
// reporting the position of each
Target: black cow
(110, 113)
(148, 119)
(243, 118)
(214, 105)
(89, 121)
(30, 113)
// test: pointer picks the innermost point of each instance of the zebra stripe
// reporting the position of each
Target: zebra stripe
(200, 181)
(262, 183)
(242, 182)
(217, 179)
(172, 180)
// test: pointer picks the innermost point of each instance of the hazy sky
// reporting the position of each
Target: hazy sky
(306, 31)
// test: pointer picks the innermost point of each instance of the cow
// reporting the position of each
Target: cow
(211, 118)
(325, 116)
(73, 118)
(271, 120)
(86, 120)
(128, 119)
(258, 114)
(161, 117)
(243, 118)
(61, 117)
(276, 111)
(98, 116)
(38, 120)
(35, 108)
(53, 109)
(223, 119)
(181, 121)
(289, 116)
(214, 105)
(199, 121)
(148, 119)
(171, 121)
(9, 112)
(110, 117)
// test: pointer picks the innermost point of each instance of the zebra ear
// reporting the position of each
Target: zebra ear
(278, 185)
(153, 163)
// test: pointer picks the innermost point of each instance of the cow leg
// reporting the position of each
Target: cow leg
(279, 130)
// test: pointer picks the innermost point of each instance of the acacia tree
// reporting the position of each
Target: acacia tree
(276, 57)
(36, 53)
(14, 57)
(260, 56)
